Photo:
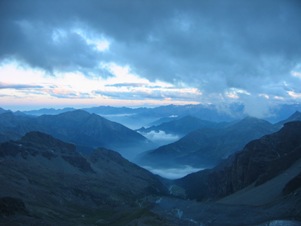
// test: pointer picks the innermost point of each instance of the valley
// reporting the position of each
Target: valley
(62, 169)
(150, 113)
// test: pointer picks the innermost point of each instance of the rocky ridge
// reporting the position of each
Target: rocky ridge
(46, 181)
(258, 162)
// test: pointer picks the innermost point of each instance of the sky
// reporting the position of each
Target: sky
(62, 53)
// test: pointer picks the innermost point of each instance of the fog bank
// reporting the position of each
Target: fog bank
(173, 173)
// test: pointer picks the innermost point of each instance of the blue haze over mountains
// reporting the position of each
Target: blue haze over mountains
(198, 136)
(86, 130)
(235, 160)
(232, 159)
(203, 111)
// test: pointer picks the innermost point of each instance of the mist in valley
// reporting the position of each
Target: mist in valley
(160, 137)
(168, 113)
(172, 173)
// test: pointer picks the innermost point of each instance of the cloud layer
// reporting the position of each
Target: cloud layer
(173, 173)
(231, 50)
(160, 137)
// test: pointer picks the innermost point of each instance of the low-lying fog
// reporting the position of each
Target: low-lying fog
(172, 173)
(160, 137)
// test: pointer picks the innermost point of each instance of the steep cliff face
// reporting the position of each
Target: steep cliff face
(258, 162)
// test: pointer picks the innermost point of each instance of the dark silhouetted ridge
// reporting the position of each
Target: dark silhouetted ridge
(259, 161)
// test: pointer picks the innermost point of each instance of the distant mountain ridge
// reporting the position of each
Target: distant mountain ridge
(207, 146)
(78, 127)
(46, 181)
(208, 112)
(48, 111)
(294, 117)
(179, 126)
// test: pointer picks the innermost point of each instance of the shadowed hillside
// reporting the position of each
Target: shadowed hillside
(86, 130)
(46, 181)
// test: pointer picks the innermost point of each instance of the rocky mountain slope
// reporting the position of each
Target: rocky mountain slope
(209, 112)
(296, 116)
(259, 161)
(79, 127)
(259, 186)
(206, 147)
(46, 181)
(180, 126)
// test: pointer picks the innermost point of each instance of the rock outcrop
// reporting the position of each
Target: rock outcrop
(259, 161)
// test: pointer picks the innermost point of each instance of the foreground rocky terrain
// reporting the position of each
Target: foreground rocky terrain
(45, 181)
(259, 183)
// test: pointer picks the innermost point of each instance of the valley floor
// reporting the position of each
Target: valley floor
(217, 214)
(169, 211)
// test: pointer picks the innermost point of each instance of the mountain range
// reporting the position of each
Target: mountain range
(207, 146)
(259, 185)
(86, 130)
(209, 112)
(271, 162)
(47, 181)
(180, 126)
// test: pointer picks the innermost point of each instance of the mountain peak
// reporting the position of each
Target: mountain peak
(77, 112)
(34, 143)
(249, 120)
(296, 115)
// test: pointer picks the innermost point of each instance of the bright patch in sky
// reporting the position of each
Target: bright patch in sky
(294, 94)
(234, 93)
(101, 44)
(131, 54)
(23, 86)
(296, 74)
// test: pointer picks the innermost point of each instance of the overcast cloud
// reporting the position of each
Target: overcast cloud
(229, 50)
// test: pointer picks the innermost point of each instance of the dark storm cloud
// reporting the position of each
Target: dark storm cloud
(34, 44)
(212, 45)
